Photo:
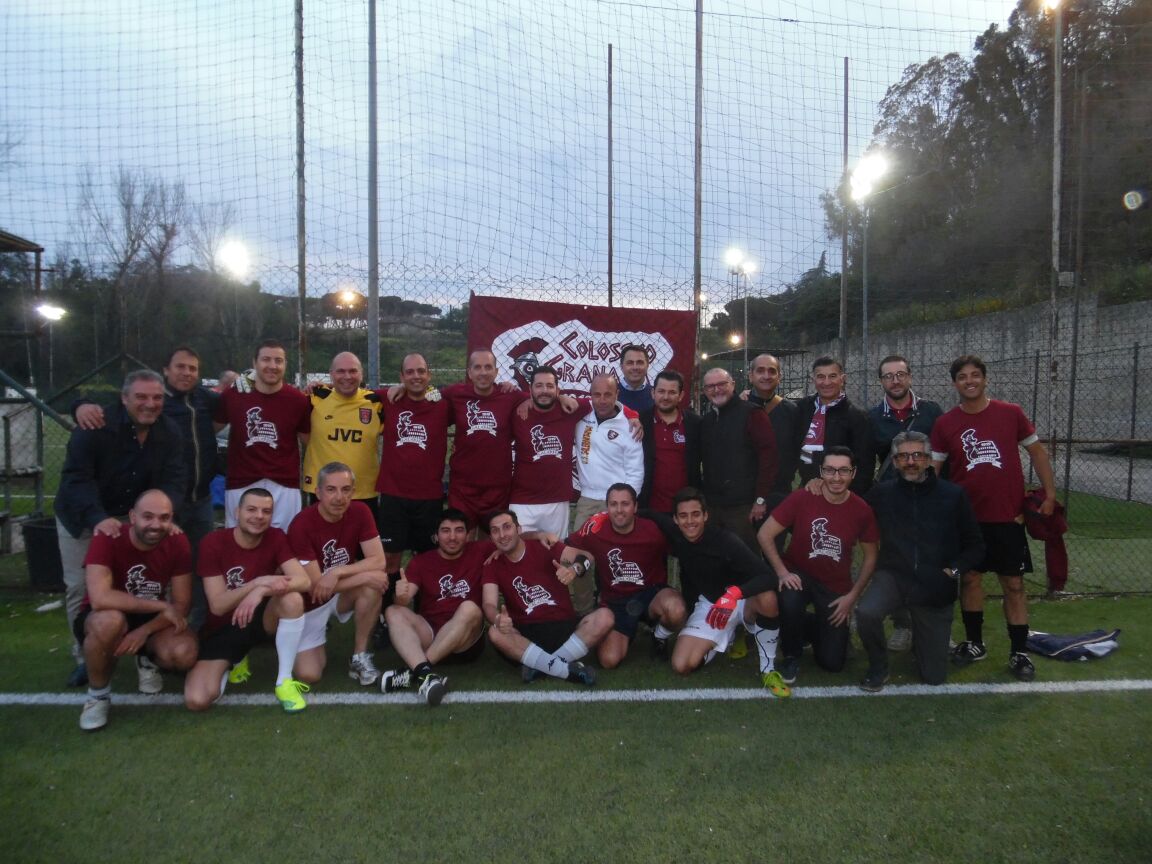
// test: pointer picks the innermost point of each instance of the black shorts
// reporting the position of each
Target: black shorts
(468, 655)
(233, 643)
(629, 613)
(1006, 551)
(135, 619)
(548, 635)
(408, 523)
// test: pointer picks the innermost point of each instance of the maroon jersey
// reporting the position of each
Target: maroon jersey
(625, 563)
(262, 435)
(415, 443)
(823, 535)
(143, 573)
(669, 471)
(531, 590)
(543, 443)
(221, 555)
(482, 449)
(330, 544)
(445, 583)
(983, 453)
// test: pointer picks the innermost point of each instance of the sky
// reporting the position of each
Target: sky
(493, 131)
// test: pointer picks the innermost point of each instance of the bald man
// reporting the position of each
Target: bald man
(346, 425)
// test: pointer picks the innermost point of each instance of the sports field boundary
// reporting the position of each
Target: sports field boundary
(525, 697)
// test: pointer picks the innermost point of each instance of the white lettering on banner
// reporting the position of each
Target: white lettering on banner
(575, 351)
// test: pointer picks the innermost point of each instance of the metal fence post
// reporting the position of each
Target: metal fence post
(1132, 418)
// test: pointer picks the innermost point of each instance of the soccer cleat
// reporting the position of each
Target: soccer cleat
(240, 673)
(578, 673)
(528, 674)
(95, 714)
(900, 640)
(149, 680)
(78, 677)
(291, 695)
(362, 669)
(968, 652)
(433, 688)
(395, 679)
(660, 648)
(1021, 666)
(874, 680)
(789, 669)
(738, 650)
(774, 682)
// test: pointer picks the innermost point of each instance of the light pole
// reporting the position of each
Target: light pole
(51, 314)
(741, 267)
(868, 171)
(1057, 157)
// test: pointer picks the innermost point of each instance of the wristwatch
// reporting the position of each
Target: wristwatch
(759, 502)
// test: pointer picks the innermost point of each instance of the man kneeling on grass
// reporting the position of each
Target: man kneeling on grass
(448, 624)
(538, 626)
(254, 586)
(127, 610)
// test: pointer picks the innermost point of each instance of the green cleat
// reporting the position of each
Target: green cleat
(774, 682)
(291, 695)
(240, 673)
(738, 650)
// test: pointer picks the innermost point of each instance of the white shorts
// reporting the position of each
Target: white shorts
(699, 628)
(316, 623)
(285, 503)
(550, 518)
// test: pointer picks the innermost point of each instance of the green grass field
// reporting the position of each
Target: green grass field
(1045, 777)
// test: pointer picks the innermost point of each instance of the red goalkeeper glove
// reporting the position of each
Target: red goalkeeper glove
(723, 608)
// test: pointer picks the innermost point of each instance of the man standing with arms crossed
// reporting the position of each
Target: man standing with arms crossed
(981, 439)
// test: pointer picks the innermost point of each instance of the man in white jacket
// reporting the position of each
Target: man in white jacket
(606, 453)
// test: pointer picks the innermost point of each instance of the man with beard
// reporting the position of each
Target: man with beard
(139, 589)
(447, 623)
(254, 586)
(536, 626)
(337, 543)
(671, 443)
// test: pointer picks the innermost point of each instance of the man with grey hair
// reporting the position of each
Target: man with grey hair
(105, 471)
(928, 539)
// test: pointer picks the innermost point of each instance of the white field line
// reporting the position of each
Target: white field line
(529, 696)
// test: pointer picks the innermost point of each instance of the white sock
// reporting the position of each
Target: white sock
(288, 634)
(766, 645)
(661, 632)
(573, 649)
(537, 658)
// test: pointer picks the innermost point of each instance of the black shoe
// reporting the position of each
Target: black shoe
(659, 648)
(789, 668)
(380, 639)
(78, 677)
(968, 652)
(1021, 666)
(874, 680)
(578, 673)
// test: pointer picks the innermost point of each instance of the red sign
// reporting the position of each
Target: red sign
(580, 342)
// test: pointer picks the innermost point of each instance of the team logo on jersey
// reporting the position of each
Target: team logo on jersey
(479, 419)
(408, 432)
(545, 445)
(333, 556)
(624, 571)
(532, 595)
(449, 588)
(234, 578)
(678, 437)
(824, 544)
(366, 416)
(979, 452)
(260, 431)
(613, 435)
(139, 585)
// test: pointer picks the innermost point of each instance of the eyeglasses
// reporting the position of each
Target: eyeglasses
(918, 456)
(829, 471)
(719, 385)
(895, 376)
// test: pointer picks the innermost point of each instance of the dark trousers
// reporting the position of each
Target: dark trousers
(829, 644)
(931, 628)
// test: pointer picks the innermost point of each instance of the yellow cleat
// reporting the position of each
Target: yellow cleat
(240, 673)
(291, 695)
(774, 682)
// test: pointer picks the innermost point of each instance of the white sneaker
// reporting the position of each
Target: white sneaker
(95, 714)
(433, 688)
(900, 640)
(362, 669)
(149, 679)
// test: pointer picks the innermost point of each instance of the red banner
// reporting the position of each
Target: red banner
(578, 341)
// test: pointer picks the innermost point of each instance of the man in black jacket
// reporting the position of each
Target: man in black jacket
(105, 470)
(671, 443)
(928, 539)
(782, 414)
(827, 419)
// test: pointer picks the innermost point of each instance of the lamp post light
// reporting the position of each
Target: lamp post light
(51, 314)
(868, 172)
(740, 268)
(1056, 8)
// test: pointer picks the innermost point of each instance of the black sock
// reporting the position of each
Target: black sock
(768, 623)
(422, 670)
(973, 625)
(1018, 636)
